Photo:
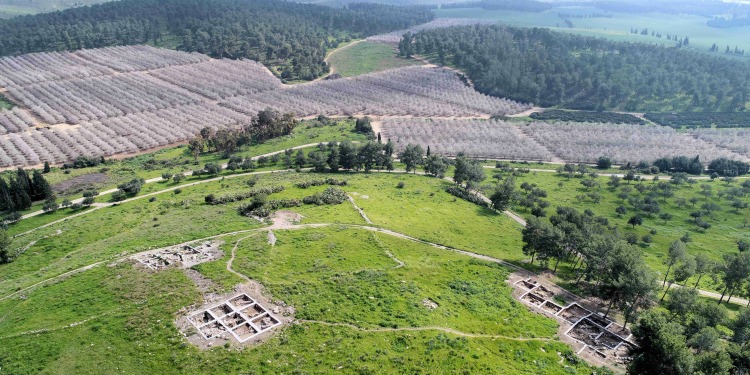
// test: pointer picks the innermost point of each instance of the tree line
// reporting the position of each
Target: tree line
(692, 120)
(264, 125)
(576, 72)
(291, 35)
(676, 165)
(21, 190)
(587, 116)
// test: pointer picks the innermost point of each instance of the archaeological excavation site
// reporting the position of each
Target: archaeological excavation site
(592, 335)
(240, 317)
(180, 256)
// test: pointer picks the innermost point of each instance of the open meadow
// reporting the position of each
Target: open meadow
(365, 57)
(373, 300)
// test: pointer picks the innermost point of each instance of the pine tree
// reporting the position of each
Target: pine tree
(5, 200)
(19, 195)
(39, 186)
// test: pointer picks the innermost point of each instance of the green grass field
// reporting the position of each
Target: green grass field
(617, 28)
(13, 8)
(366, 57)
(104, 318)
(116, 317)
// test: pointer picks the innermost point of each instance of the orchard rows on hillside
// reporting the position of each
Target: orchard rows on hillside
(129, 99)
(123, 100)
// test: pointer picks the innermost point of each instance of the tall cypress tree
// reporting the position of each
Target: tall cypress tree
(40, 188)
(19, 194)
(5, 200)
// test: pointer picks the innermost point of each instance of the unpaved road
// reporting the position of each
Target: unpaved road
(332, 68)
(425, 328)
(186, 174)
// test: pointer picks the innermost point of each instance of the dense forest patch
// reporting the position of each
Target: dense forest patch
(289, 36)
(702, 119)
(575, 72)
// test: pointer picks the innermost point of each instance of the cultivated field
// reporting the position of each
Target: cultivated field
(737, 140)
(410, 91)
(728, 224)
(573, 142)
(478, 138)
(129, 99)
(622, 143)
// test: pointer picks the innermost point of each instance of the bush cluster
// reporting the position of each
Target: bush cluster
(327, 181)
(466, 195)
(264, 210)
(212, 199)
(330, 195)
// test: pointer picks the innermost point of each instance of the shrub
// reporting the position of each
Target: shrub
(211, 199)
(466, 195)
(212, 169)
(604, 162)
(13, 217)
(119, 195)
(85, 162)
(133, 187)
(331, 195)
(328, 181)
(90, 193)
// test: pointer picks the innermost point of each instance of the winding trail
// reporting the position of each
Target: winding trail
(253, 232)
(186, 174)
(517, 218)
(231, 259)
(327, 59)
(361, 213)
(424, 328)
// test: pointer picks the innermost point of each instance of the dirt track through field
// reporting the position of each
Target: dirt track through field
(509, 213)
(332, 68)
(425, 328)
